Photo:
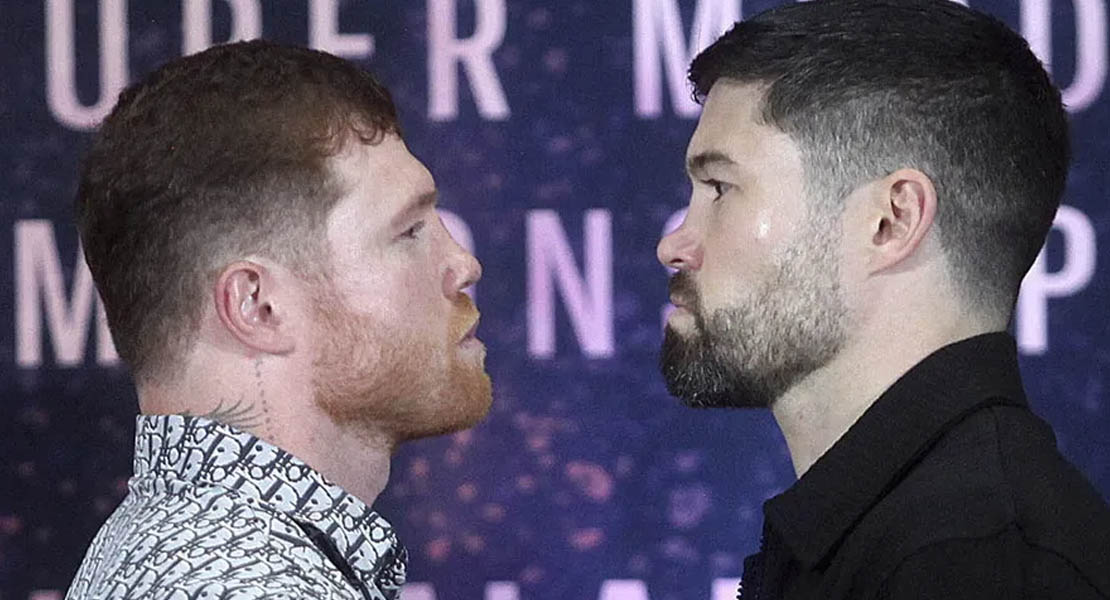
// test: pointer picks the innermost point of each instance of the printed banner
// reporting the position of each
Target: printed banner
(556, 133)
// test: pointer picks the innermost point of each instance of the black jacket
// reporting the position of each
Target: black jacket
(946, 487)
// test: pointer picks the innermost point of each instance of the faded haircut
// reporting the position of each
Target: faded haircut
(866, 87)
(211, 158)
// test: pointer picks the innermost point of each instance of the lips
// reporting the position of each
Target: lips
(472, 332)
(682, 292)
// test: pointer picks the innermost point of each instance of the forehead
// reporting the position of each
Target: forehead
(377, 183)
(384, 172)
(730, 124)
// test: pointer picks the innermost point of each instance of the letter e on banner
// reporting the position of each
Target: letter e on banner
(323, 32)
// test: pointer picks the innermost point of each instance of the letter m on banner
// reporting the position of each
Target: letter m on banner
(39, 284)
(662, 51)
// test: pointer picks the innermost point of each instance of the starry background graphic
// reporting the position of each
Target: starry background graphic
(585, 469)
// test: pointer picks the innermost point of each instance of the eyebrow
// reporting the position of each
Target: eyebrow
(414, 206)
(699, 162)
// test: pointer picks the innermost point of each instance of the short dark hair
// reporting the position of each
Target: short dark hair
(866, 87)
(212, 157)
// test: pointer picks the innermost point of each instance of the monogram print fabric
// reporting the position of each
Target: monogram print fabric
(213, 512)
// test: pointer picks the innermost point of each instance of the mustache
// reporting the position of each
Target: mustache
(465, 305)
(464, 315)
(682, 289)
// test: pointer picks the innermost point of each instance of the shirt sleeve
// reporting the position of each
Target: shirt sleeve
(986, 569)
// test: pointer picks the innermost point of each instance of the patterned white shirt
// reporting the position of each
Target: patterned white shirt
(213, 512)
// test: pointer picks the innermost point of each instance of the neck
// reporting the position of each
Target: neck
(280, 410)
(817, 411)
(355, 459)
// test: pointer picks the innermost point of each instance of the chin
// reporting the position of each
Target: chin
(461, 404)
(475, 402)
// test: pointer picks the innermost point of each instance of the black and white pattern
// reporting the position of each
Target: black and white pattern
(213, 512)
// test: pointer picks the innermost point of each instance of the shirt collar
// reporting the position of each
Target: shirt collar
(199, 450)
(816, 513)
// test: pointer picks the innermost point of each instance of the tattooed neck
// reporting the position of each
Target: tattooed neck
(240, 414)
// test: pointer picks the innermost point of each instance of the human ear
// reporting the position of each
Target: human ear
(251, 307)
(904, 207)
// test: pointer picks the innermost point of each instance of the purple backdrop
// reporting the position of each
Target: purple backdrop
(556, 134)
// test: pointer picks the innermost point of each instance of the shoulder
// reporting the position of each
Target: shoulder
(990, 495)
(956, 489)
(1057, 510)
(997, 468)
(1000, 566)
(201, 545)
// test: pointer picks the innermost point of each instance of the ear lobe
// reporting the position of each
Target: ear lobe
(907, 205)
(247, 303)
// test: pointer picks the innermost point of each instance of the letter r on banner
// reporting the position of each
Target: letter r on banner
(446, 52)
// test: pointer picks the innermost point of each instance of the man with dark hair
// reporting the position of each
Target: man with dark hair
(290, 304)
(871, 181)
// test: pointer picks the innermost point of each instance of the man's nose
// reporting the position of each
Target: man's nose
(463, 271)
(681, 249)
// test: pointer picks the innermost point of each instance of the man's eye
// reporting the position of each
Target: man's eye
(719, 187)
(412, 232)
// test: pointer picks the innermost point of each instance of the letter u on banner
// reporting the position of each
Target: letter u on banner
(61, 62)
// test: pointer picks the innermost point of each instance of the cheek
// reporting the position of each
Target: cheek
(417, 287)
(737, 242)
(768, 228)
(379, 291)
(739, 253)
(764, 225)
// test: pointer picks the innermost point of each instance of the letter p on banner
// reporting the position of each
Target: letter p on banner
(1031, 324)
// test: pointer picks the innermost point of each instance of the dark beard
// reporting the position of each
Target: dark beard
(749, 355)
(695, 369)
(697, 374)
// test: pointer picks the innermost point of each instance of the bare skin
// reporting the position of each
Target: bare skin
(746, 212)
(315, 365)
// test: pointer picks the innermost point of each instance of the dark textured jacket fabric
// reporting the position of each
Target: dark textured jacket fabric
(948, 486)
